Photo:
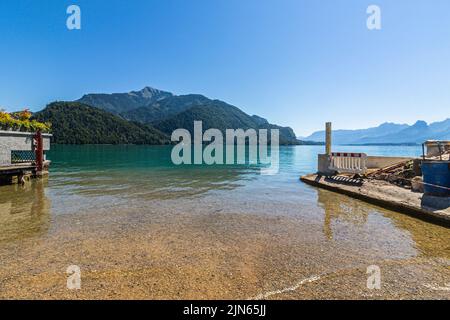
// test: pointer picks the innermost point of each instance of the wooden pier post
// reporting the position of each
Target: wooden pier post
(328, 138)
(39, 152)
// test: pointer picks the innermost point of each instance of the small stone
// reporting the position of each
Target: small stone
(417, 184)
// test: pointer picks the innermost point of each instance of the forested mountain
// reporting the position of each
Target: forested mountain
(220, 115)
(77, 123)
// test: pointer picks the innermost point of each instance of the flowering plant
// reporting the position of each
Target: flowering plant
(20, 121)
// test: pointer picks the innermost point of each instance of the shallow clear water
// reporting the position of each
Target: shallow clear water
(128, 208)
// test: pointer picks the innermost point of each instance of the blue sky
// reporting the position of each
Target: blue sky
(297, 63)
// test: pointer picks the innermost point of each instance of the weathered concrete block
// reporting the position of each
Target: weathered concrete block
(323, 165)
(5, 156)
(18, 141)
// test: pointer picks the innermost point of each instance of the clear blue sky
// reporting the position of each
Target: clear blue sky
(295, 62)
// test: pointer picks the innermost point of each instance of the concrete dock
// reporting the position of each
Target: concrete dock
(433, 209)
(23, 155)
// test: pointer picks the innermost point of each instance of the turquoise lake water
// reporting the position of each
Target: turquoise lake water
(115, 174)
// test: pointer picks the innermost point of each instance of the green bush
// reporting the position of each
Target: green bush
(20, 121)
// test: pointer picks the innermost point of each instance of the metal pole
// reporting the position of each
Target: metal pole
(328, 138)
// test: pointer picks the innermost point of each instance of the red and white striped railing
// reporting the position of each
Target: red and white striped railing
(344, 162)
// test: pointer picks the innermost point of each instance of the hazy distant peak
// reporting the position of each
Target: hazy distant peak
(420, 124)
(391, 125)
(441, 126)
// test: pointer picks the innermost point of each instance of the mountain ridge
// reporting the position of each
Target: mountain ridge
(389, 133)
(121, 102)
(166, 111)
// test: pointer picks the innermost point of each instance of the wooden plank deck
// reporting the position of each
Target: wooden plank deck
(20, 167)
(15, 168)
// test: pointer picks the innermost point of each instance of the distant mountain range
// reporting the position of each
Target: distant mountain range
(166, 112)
(389, 133)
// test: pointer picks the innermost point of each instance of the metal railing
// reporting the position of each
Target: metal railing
(22, 156)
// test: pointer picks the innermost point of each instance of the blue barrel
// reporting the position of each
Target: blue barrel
(436, 173)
